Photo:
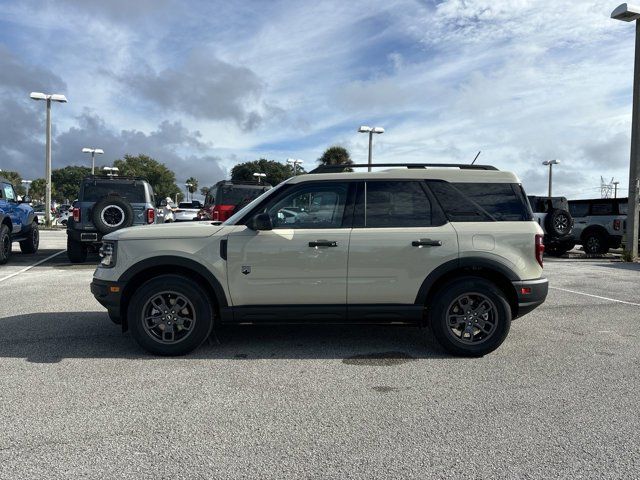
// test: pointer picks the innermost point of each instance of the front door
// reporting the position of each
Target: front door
(9, 204)
(398, 238)
(303, 260)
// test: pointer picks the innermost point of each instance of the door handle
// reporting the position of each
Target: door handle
(323, 243)
(426, 242)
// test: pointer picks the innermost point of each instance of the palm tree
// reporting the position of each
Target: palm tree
(336, 155)
(192, 185)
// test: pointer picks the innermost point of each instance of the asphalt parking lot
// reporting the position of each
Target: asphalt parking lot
(79, 399)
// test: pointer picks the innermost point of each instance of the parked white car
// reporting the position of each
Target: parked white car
(187, 211)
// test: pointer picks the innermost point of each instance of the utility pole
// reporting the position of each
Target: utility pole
(631, 13)
(551, 163)
(370, 131)
(615, 189)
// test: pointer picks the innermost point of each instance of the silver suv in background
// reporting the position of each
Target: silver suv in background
(599, 223)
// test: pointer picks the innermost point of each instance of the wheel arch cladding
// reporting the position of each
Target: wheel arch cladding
(495, 272)
(137, 274)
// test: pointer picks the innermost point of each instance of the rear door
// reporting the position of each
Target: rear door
(399, 237)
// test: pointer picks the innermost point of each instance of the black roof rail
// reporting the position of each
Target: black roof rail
(113, 177)
(342, 168)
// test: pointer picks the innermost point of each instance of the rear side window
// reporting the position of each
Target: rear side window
(579, 209)
(237, 195)
(602, 209)
(134, 193)
(7, 192)
(393, 204)
(482, 202)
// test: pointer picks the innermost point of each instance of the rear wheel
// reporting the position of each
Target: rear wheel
(76, 251)
(31, 244)
(470, 317)
(170, 315)
(5, 244)
(595, 243)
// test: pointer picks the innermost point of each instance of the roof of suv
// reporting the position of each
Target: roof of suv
(448, 174)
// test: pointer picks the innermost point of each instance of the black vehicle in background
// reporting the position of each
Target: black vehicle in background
(552, 214)
(106, 204)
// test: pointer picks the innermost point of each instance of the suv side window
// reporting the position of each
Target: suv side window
(393, 204)
(312, 205)
(602, 209)
(579, 209)
(482, 202)
(7, 192)
(623, 208)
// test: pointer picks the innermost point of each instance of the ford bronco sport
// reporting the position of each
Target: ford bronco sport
(455, 249)
(18, 223)
(106, 204)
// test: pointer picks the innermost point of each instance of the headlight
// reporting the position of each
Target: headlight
(108, 254)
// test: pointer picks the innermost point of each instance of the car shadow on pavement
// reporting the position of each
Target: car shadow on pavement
(52, 337)
(620, 265)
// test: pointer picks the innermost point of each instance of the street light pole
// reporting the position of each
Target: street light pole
(370, 131)
(295, 162)
(551, 163)
(615, 189)
(630, 13)
(49, 99)
(93, 152)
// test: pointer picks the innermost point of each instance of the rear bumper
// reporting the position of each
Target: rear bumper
(108, 294)
(86, 236)
(531, 294)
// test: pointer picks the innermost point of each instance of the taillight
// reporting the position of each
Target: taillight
(151, 215)
(76, 215)
(539, 248)
(616, 224)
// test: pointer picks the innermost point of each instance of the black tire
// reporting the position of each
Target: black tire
(114, 317)
(5, 244)
(595, 243)
(558, 223)
(76, 251)
(151, 338)
(112, 213)
(31, 244)
(481, 342)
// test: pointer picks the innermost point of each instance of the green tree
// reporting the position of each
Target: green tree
(194, 185)
(15, 179)
(336, 155)
(38, 190)
(157, 174)
(276, 172)
(66, 182)
(204, 191)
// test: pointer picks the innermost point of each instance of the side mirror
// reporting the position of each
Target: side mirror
(26, 199)
(262, 221)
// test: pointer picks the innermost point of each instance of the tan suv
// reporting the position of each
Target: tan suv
(451, 247)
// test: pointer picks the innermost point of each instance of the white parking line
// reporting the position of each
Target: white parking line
(594, 296)
(31, 266)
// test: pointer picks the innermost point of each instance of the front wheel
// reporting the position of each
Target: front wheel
(5, 244)
(31, 244)
(170, 315)
(470, 317)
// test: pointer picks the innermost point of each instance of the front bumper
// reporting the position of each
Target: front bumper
(108, 294)
(531, 294)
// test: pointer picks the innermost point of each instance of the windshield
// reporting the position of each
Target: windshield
(241, 213)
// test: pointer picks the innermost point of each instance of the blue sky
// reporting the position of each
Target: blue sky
(202, 85)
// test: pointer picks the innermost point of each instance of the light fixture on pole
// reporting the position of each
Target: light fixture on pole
(48, 99)
(111, 171)
(93, 152)
(188, 185)
(260, 176)
(370, 131)
(295, 162)
(551, 163)
(27, 184)
(630, 13)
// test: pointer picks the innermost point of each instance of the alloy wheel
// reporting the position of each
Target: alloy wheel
(168, 317)
(472, 318)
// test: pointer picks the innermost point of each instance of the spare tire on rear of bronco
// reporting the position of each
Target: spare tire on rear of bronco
(112, 213)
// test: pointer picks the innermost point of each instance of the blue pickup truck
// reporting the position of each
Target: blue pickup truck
(18, 223)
